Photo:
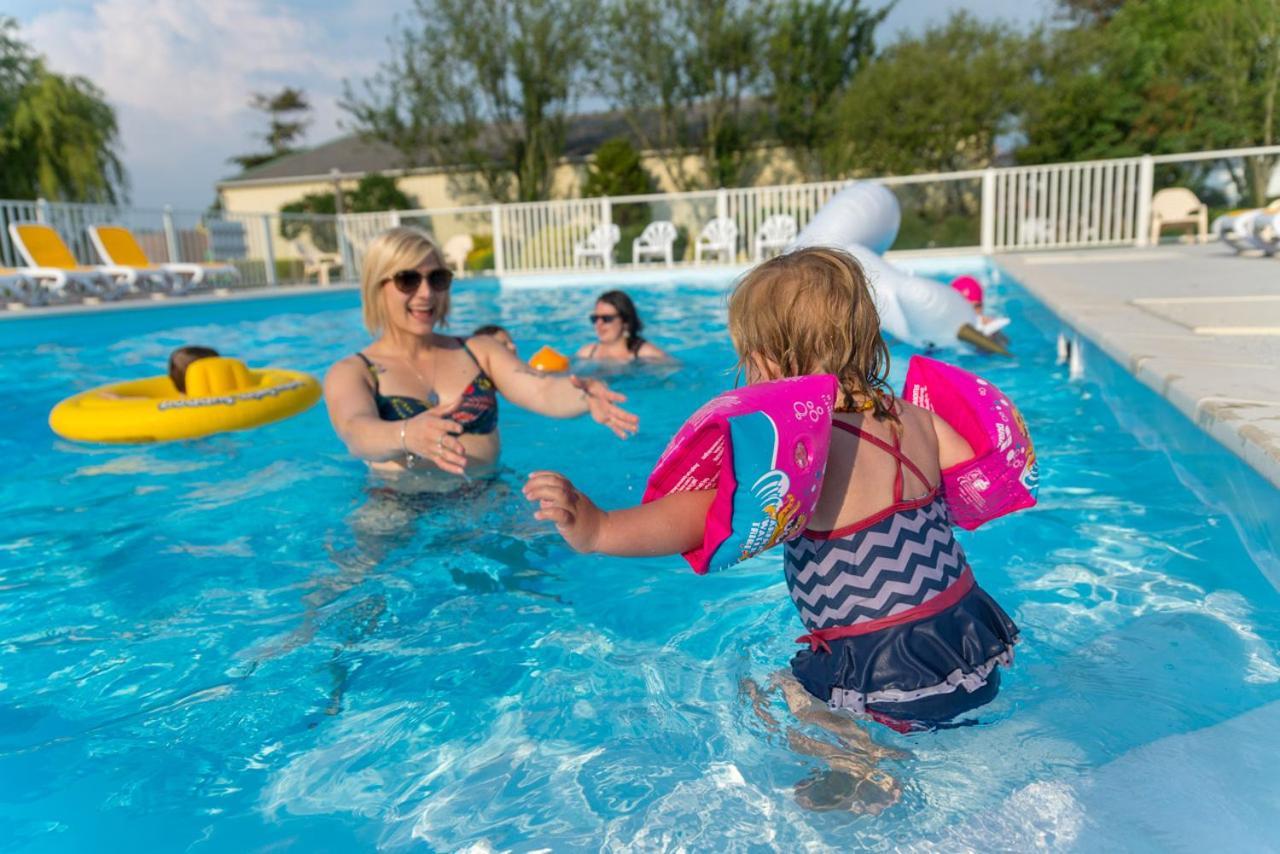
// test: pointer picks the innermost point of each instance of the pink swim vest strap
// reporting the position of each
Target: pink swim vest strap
(894, 450)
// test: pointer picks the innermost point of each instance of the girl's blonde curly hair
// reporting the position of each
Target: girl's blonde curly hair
(811, 312)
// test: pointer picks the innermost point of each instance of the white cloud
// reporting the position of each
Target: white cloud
(181, 73)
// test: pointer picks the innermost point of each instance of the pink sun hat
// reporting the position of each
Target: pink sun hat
(969, 288)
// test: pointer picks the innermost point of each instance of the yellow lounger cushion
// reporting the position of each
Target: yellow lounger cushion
(121, 247)
(46, 247)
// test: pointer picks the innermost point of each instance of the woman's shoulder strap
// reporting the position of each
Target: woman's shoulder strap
(370, 367)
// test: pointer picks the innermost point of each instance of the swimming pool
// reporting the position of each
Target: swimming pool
(234, 644)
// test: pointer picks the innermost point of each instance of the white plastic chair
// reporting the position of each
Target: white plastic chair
(775, 233)
(314, 262)
(720, 236)
(598, 244)
(656, 241)
(1178, 206)
(456, 249)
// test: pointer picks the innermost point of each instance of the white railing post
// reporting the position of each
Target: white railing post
(988, 213)
(171, 235)
(499, 259)
(722, 203)
(42, 211)
(1146, 186)
(268, 251)
(606, 219)
(344, 248)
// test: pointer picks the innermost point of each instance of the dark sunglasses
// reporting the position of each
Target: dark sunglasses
(603, 318)
(408, 281)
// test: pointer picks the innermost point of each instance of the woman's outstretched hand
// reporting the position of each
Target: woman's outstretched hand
(602, 403)
(576, 516)
(433, 436)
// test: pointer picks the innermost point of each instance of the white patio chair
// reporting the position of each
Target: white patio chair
(314, 262)
(775, 233)
(720, 236)
(1178, 206)
(456, 249)
(656, 241)
(598, 244)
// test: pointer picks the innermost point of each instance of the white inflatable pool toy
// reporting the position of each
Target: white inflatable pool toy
(863, 220)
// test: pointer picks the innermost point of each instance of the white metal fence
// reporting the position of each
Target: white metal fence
(1082, 204)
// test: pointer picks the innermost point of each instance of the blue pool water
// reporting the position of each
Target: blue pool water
(233, 644)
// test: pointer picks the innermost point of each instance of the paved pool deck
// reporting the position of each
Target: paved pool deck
(1198, 324)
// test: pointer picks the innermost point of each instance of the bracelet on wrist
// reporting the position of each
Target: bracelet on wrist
(409, 457)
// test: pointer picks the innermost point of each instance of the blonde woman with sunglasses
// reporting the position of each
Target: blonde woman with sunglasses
(418, 400)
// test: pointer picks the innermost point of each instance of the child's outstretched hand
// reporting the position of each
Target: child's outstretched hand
(576, 516)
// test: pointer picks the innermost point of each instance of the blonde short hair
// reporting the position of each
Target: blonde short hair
(811, 312)
(390, 252)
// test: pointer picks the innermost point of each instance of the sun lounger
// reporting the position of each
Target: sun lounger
(1249, 229)
(51, 264)
(116, 244)
(17, 288)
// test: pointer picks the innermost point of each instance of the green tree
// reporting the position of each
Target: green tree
(684, 75)
(812, 51)
(287, 119)
(1089, 13)
(373, 193)
(618, 170)
(1233, 56)
(1162, 76)
(58, 135)
(935, 103)
(485, 85)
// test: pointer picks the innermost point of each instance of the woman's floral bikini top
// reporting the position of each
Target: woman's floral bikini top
(477, 410)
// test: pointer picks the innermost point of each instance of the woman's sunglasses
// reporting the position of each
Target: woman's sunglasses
(408, 281)
(602, 318)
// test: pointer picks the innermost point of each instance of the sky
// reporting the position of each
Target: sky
(180, 73)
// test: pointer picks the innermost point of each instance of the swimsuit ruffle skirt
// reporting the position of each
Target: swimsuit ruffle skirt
(898, 628)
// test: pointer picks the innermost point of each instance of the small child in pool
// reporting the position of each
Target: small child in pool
(181, 358)
(904, 634)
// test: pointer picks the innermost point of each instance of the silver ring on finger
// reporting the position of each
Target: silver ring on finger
(440, 442)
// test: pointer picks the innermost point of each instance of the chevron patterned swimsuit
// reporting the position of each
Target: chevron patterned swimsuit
(898, 628)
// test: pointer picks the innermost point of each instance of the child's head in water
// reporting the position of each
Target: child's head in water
(811, 312)
(498, 332)
(181, 359)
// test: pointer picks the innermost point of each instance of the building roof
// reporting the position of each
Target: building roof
(355, 155)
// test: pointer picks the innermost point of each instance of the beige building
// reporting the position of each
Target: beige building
(266, 188)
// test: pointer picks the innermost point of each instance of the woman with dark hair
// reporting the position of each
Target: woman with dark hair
(618, 326)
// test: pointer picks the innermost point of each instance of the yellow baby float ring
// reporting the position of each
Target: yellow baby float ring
(222, 394)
